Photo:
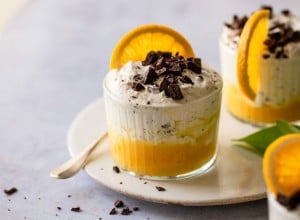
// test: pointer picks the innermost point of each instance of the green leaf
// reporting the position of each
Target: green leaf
(260, 140)
(287, 128)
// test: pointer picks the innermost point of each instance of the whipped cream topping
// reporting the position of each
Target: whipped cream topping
(119, 83)
(230, 37)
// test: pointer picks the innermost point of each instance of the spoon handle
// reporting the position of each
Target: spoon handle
(72, 166)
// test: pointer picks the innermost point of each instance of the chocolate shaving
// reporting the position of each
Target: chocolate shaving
(116, 169)
(136, 208)
(159, 188)
(286, 12)
(119, 204)
(237, 23)
(126, 211)
(113, 211)
(10, 191)
(76, 209)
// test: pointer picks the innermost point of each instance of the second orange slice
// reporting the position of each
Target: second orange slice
(250, 49)
(135, 45)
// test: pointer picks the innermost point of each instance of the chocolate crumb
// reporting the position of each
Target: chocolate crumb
(136, 208)
(58, 207)
(69, 196)
(113, 211)
(266, 56)
(116, 169)
(10, 191)
(160, 189)
(126, 211)
(119, 204)
(76, 209)
(145, 182)
(121, 183)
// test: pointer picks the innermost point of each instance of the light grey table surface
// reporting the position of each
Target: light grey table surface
(53, 56)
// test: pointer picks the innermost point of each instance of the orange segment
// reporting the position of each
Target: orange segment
(281, 165)
(250, 50)
(135, 45)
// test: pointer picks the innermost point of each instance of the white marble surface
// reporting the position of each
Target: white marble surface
(53, 56)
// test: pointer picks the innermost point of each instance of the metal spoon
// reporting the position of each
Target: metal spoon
(72, 166)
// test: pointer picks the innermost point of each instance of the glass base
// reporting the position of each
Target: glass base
(198, 172)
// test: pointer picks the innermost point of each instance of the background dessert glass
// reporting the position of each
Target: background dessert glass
(278, 96)
(163, 139)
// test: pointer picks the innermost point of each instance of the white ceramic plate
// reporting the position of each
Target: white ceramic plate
(235, 178)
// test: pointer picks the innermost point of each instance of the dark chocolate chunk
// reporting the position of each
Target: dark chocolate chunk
(116, 169)
(159, 63)
(10, 191)
(76, 209)
(151, 76)
(113, 211)
(286, 12)
(161, 71)
(186, 79)
(268, 7)
(294, 201)
(137, 86)
(194, 66)
(164, 87)
(150, 58)
(119, 203)
(175, 92)
(159, 188)
(136, 208)
(266, 56)
(175, 69)
(126, 211)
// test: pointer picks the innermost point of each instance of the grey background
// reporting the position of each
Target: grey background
(53, 56)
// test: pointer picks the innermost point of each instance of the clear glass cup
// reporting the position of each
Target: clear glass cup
(278, 95)
(163, 142)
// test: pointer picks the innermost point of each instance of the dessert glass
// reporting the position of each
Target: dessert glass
(278, 95)
(163, 141)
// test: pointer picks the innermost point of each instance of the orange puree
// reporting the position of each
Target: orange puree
(161, 159)
(245, 109)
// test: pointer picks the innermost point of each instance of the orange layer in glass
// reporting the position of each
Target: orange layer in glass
(164, 159)
(245, 110)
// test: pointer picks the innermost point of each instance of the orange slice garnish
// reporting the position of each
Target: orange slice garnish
(281, 165)
(135, 45)
(250, 50)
